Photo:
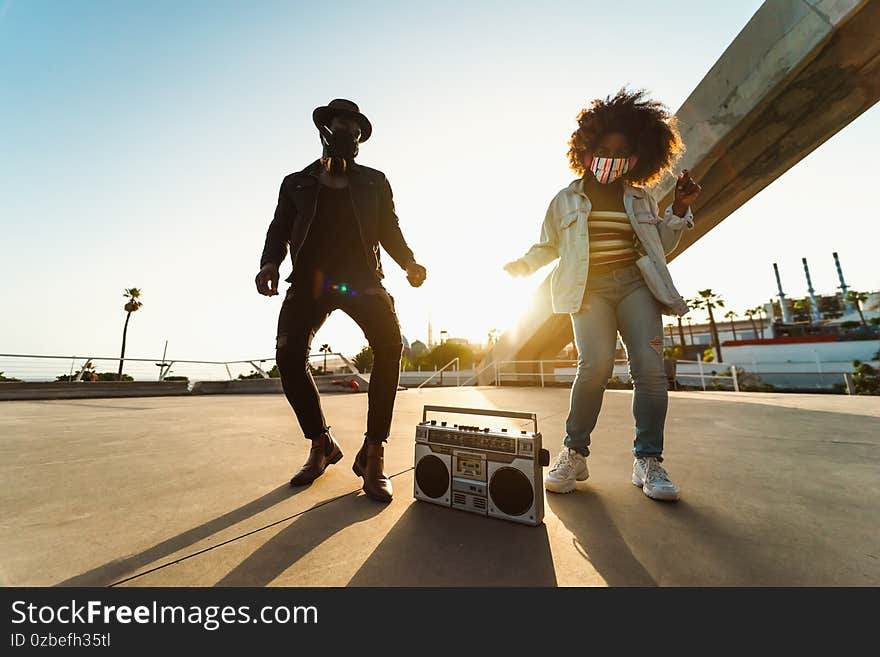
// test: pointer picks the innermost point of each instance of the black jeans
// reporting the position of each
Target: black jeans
(300, 318)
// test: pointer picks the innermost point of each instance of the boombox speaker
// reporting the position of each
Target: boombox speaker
(494, 473)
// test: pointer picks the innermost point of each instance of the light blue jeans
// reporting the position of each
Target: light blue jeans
(619, 300)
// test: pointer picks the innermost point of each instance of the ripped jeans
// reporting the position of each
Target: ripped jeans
(618, 299)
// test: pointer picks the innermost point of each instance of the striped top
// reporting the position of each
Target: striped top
(611, 241)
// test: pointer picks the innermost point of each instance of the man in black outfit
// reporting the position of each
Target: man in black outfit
(334, 214)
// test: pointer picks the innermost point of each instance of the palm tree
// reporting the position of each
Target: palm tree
(730, 314)
(750, 313)
(694, 303)
(858, 298)
(681, 331)
(761, 315)
(325, 349)
(133, 295)
(707, 300)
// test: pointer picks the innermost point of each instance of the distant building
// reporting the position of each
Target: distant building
(831, 307)
(698, 335)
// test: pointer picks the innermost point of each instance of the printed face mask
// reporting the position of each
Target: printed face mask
(609, 169)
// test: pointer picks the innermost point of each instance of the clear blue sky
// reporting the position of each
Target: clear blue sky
(143, 144)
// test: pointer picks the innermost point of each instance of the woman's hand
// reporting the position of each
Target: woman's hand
(686, 192)
(517, 268)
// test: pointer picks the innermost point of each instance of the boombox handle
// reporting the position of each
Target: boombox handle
(476, 411)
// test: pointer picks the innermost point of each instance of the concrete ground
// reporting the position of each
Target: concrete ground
(777, 490)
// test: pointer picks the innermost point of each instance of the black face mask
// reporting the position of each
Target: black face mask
(340, 144)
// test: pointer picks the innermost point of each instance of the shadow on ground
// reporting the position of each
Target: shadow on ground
(597, 538)
(436, 546)
(299, 538)
(113, 571)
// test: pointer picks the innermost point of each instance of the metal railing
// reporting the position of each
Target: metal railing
(476, 375)
(713, 372)
(439, 372)
(692, 374)
(42, 367)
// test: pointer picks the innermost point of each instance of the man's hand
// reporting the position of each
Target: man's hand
(686, 192)
(517, 268)
(416, 274)
(267, 280)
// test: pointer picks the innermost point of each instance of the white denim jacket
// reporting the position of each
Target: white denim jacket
(564, 235)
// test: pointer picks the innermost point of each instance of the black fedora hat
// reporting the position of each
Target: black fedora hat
(344, 108)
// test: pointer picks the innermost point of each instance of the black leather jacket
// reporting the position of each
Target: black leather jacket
(373, 208)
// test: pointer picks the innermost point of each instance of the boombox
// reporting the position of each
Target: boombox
(494, 473)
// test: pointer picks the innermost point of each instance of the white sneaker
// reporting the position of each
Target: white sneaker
(653, 479)
(570, 467)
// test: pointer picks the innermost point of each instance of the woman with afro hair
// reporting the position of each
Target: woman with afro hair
(611, 242)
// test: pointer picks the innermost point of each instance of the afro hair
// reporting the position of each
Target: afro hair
(646, 123)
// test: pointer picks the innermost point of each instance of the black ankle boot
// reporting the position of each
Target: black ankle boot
(370, 465)
(324, 452)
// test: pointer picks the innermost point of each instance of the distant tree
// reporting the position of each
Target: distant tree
(325, 349)
(680, 331)
(694, 304)
(132, 305)
(253, 374)
(730, 314)
(363, 360)
(858, 298)
(750, 313)
(7, 379)
(112, 376)
(85, 373)
(762, 315)
(494, 334)
(273, 373)
(443, 353)
(866, 379)
(707, 300)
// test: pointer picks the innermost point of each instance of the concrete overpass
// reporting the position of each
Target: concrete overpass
(797, 73)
